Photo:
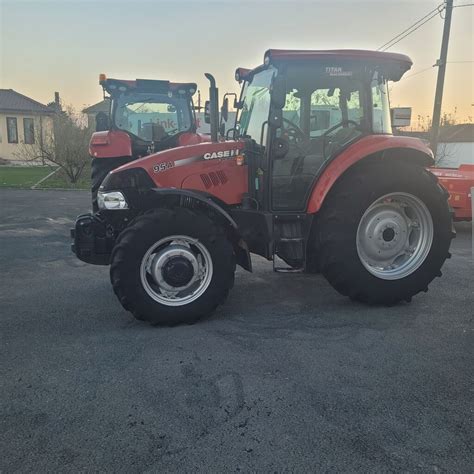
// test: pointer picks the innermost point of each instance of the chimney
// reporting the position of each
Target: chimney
(56, 101)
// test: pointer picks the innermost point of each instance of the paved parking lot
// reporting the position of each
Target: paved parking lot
(287, 375)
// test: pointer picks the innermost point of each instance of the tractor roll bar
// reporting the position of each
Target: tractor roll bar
(213, 106)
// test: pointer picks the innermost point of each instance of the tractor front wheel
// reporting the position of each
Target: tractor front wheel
(172, 266)
(384, 232)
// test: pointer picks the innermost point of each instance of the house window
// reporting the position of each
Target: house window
(29, 130)
(12, 130)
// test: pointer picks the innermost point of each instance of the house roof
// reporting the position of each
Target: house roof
(13, 101)
(463, 132)
(102, 106)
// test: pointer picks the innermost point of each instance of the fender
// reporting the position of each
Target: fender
(383, 146)
(241, 250)
(110, 144)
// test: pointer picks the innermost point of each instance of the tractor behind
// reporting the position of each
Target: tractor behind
(312, 179)
(145, 117)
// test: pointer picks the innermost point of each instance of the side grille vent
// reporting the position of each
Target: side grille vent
(214, 178)
(222, 177)
(206, 181)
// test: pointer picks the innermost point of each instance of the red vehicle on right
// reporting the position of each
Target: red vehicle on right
(459, 183)
(455, 167)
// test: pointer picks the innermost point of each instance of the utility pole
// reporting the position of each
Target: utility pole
(441, 63)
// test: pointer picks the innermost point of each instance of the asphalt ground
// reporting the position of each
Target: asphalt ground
(286, 376)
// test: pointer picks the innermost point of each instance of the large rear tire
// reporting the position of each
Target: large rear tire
(172, 266)
(384, 232)
(100, 168)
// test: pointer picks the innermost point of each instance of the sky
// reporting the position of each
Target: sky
(48, 46)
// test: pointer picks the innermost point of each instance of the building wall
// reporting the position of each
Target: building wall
(9, 151)
(452, 155)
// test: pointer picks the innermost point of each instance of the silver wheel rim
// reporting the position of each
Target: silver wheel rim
(192, 253)
(394, 236)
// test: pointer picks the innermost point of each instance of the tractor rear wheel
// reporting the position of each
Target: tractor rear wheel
(172, 266)
(100, 168)
(384, 232)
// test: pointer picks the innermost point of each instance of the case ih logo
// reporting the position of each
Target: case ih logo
(337, 71)
(221, 154)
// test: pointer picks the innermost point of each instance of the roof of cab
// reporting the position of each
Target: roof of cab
(149, 85)
(396, 63)
(276, 55)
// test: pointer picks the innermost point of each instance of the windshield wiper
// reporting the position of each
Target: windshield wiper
(145, 101)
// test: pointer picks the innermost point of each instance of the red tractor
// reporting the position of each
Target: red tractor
(312, 177)
(146, 116)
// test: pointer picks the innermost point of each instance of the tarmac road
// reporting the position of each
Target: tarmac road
(286, 376)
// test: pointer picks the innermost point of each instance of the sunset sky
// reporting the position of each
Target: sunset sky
(48, 46)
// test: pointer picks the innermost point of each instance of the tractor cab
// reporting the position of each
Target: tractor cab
(303, 108)
(145, 117)
(153, 113)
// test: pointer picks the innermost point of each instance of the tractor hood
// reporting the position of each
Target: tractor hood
(216, 168)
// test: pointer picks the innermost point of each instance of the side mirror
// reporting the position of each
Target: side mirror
(401, 116)
(102, 122)
(278, 92)
(225, 109)
(207, 111)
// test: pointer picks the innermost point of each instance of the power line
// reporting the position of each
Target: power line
(419, 72)
(412, 28)
(464, 5)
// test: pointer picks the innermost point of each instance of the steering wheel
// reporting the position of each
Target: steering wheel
(294, 132)
(340, 124)
(335, 127)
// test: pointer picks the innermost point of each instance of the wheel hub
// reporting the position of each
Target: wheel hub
(178, 271)
(175, 267)
(384, 234)
(394, 236)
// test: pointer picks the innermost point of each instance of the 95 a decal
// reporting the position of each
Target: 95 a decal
(166, 165)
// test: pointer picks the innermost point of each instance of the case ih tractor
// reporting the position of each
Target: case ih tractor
(146, 116)
(312, 177)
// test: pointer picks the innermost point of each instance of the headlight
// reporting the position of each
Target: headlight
(111, 200)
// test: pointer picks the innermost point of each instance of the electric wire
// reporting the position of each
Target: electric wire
(412, 28)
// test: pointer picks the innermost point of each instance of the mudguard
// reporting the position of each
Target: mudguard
(377, 146)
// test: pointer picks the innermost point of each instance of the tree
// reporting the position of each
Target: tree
(64, 144)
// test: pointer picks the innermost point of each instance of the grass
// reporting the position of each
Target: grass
(60, 180)
(27, 176)
(22, 176)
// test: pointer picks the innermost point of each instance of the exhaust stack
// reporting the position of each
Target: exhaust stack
(213, 106)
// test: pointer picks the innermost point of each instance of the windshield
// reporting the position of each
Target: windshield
(152, 117)
(256, 105)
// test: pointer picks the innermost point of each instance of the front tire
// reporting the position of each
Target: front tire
(172, 266)
(384, 232)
